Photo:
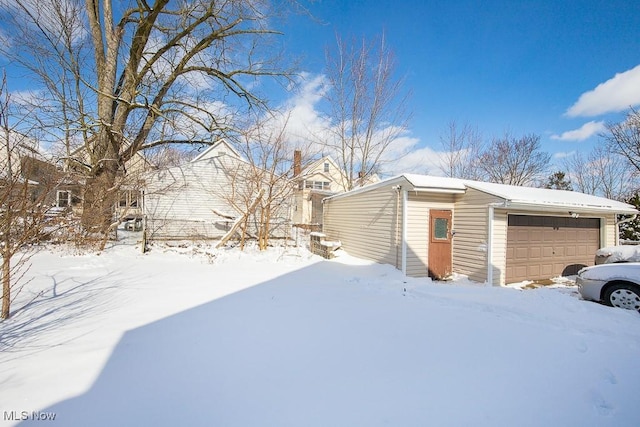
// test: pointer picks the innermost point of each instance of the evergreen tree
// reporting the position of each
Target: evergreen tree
(630, 230)
(559, 181)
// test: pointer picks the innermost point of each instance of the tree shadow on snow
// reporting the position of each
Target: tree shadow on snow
(284, 352)
(73, 301)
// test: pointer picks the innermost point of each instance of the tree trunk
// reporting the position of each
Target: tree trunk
(6, 287)
(100, 196)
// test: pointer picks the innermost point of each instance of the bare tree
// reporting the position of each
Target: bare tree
(462, 146)
(604, 173)
(267, 178)
(367, 106)
(128, 69)
(23, 201)
(583, 177)
(514, 161)
(624, 137)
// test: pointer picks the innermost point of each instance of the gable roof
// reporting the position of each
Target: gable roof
(512, 195)
(317, 166)
(215, 151)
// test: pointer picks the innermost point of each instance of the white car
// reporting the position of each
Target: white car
(617, 285)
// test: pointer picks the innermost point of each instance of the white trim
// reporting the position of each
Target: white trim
(68, 199)
(405, 198)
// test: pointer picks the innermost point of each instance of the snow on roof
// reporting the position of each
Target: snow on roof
(512, 194)
(549, 197)
(435, 182)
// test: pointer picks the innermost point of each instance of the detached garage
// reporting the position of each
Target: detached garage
(494, 233)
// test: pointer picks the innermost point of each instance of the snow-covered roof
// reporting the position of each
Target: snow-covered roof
(513, 195)
(517, 195)
(435, 182)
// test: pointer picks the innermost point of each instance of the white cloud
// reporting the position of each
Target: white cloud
(50, 16)
(422, 160)
(563, 155)
(616, 94)
(585, 131)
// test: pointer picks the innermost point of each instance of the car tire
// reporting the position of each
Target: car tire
(623, 295)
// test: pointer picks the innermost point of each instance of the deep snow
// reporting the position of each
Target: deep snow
(187, 336)
(622, 253)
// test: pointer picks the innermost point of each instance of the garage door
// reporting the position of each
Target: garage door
(541, 247)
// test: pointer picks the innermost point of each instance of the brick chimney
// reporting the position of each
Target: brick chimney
(297, 162)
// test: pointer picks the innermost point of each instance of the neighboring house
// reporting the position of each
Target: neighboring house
(40, 175)
(131, 181)
(203, 198)
(494, 233)
(318, 180)
(313, 183)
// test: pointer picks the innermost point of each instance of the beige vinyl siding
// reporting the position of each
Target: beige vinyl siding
(610, 230)
(368, 224)
(470, 241)
(418, 206)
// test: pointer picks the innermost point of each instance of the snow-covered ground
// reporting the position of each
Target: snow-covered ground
(223, 338)
(622, 253)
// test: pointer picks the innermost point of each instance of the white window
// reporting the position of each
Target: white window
(63, 199)
(317, 185)
(326, 166)
(129, 198)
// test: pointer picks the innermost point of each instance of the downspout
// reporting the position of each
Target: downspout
(490, 247)
(405, 197)
(617, 240)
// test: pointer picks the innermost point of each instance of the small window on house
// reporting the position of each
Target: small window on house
(129, 198)
(317, 185)
(63, 199)
(135, 198)
(441, 229)
(326, 166)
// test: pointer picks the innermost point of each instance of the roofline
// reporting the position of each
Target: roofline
(574, 207)
(369, 187)
(508, 203)
(212, 146)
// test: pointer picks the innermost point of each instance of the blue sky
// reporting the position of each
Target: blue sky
(556, 68)
(517, 66)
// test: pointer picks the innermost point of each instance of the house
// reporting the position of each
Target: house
(203, 198)
(130, 180)
(318, 180)
(29, 167)
(494, 233)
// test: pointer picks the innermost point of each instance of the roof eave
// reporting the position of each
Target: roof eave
(577, 208)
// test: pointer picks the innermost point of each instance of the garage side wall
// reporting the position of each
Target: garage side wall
(471, 221)
(418, 207)
(368, 224)
(610, 230)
